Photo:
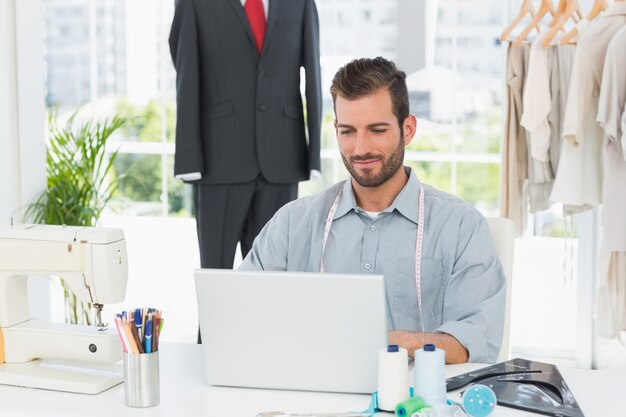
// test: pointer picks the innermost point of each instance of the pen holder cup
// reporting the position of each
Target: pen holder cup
(141, 377)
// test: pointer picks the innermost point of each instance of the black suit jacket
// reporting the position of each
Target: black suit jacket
(240, 113)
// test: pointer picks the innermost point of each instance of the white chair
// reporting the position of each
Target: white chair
(503, 236)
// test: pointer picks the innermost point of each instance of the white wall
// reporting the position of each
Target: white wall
(162, 255)
(22, 122)
(22, 107)
(9, 150)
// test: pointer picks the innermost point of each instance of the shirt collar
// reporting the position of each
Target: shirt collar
(347, 202)
(406, 201)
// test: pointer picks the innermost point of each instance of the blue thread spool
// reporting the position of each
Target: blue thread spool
(430, 375)
(479, 400)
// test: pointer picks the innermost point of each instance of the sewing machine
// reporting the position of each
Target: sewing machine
(61, 357)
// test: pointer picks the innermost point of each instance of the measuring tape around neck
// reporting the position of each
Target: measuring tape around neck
(418, 243)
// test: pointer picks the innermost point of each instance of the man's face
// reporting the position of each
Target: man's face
(370, 141)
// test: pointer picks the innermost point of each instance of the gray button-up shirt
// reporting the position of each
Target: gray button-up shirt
(463, 284)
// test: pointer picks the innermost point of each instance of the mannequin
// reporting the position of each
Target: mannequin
(240, 134)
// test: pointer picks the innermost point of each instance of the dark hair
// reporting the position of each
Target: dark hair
(365, 76)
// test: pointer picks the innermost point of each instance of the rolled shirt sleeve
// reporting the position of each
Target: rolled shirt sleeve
(474, 303)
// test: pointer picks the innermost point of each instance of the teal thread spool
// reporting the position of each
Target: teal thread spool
(407, 407)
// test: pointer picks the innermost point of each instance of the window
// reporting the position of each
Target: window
(113, 56)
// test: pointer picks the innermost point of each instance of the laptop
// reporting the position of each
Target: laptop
(292, 330)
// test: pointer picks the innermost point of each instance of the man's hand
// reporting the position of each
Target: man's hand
(411, 341)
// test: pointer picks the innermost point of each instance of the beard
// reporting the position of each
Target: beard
(368, 178)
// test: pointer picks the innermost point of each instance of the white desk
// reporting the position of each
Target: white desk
(184, 392)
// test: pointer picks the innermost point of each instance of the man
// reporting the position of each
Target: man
(443, 280)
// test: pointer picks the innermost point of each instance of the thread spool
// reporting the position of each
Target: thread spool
(409, 407)
(393, 377)
(430, 375)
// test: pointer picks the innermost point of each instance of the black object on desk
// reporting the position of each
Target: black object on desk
(526, 385)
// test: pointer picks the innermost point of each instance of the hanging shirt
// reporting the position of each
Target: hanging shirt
(560, 74)
(514, 167)
(540, 176)
(610, 110)
(579, 178)
(537, 100)
(462, 282)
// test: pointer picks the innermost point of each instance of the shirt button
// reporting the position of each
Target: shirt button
(372, 228)
(368, 266)
(262, 107)
(262, 74)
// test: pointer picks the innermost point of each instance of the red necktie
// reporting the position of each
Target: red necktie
(256, 16)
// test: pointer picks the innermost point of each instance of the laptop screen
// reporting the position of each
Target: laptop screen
(292, 330)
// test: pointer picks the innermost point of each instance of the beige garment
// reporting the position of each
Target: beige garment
(579, 178)
(536, 103)
(514, 167)
(611, 300)
(610, 110)
(559, 84)
(537, 98)
(545, 92)
(613, 87)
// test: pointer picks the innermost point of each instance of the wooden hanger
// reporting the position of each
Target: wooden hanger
(598, 7)
(569, 9)
(527, 8)
(545, 7)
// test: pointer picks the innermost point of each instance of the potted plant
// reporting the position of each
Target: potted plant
(79, 187)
